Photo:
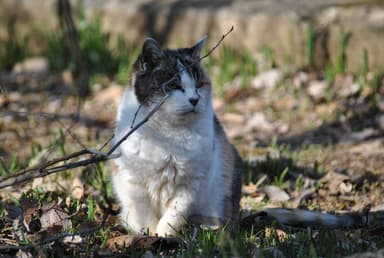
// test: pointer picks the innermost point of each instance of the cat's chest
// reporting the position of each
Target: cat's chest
(145, 156)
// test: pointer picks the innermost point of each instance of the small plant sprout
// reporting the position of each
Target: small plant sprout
(279, 181)
(91, 209)
(309, 45)
(365, 66)
(342, 57)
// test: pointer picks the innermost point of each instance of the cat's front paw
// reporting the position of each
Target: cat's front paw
(164, 230)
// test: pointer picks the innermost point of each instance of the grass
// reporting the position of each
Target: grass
(279, 180)
(342, 57)
(263, 243)
(57, 51)
(242, 242)
(111, 56)
(13, 50)
(309, 45)
(11, 167)
(269, 57)
(365, 65)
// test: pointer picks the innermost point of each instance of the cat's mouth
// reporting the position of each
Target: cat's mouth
(191, 111)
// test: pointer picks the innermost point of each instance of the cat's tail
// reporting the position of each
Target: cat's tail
(304, 218)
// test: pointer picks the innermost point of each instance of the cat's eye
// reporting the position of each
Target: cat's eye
(196, 75)
(200, 84)
(176, 86)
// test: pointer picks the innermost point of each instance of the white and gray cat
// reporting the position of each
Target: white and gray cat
(179, 166)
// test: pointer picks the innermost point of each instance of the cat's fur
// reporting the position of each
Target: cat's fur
(179, 166)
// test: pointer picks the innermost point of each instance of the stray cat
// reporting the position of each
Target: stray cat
(179, 166)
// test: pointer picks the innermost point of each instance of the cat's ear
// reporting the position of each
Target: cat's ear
(151, 52)
(195, 50)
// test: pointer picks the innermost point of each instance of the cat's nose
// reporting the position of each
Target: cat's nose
(194, 101)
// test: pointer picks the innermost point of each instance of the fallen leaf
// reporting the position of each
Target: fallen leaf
(334, 180)
(143, 242)
(267, 80)
(316, 90)
(259, 121)
(218, 103)
(32, 65)
(346, 85)
(345, 187)
(233, 119)
(304, 195)
(248, 189)
(273, 231)
(300, 79)
(72, 240)
(274, 193)
(77, 188)
(54, 216)
(379, 207)
(109, 96)
(30, 208)
(23, 254)
(233, 89)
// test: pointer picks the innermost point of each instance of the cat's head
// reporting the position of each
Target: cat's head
(177, 72)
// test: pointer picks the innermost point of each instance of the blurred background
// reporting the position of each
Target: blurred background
(298, 86)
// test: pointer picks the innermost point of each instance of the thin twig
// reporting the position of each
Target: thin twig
(217, 44)
(117, 144)
(137, 111)
(198, 60)
(65, 17)
(46, 169)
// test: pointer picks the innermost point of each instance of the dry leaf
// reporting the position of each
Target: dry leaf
(72, 240)
(334, 179)
(23, 254)
(274, 193)
(280, 233)
(142, 242)
(248, 189)
(77, 188)
(30, 209)
(55, 217)
(267, 80)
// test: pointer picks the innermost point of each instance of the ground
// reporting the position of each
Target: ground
(307, 143)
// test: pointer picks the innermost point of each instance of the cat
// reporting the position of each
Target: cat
(179, 167)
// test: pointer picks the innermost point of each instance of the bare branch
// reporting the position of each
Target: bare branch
(65, 17)
(47, 169)
(117, 144)
(217, 44)
(198, 60)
